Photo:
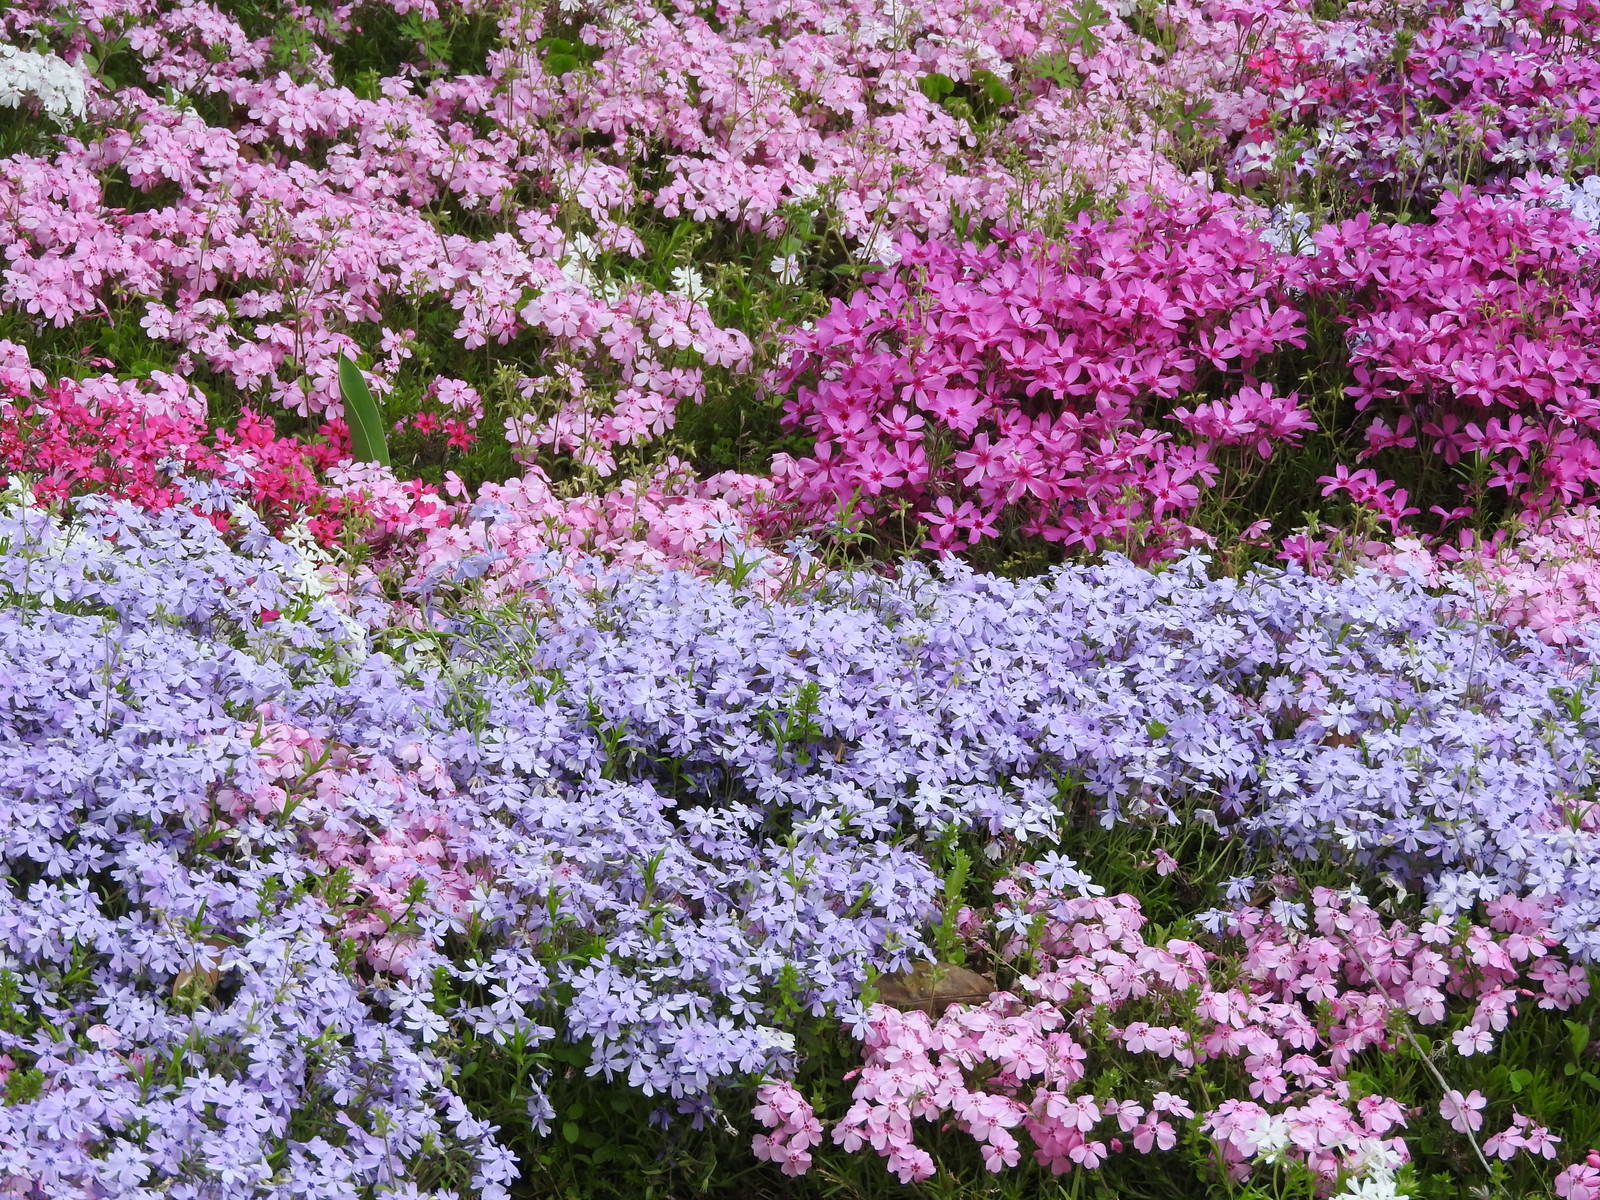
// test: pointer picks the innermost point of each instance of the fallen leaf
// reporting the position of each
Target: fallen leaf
(934, 987)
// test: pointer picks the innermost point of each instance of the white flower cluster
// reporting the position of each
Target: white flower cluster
(1289, 230)
(686, 281)
(1580, 197)
(579, 256)
(61, 89)
(1583, 199)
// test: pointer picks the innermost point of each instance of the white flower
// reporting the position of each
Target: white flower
(1062, 874)
(786, 267)
(1271, 1138)
(1289, 231)
(1582, 199)
(881, 248)
(580, 246)
(780, 1038)
(61, 89)
(690, 283)
(1377, 1186)
(1373, 1156)
(726, 530)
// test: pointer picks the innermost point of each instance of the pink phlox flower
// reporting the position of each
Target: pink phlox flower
(1464, 1112)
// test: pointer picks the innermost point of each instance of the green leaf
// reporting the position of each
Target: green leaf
(1080, 29)
(936, 86)
(1520, 1079)
(562, 55)
(367, 442)
(994, 89)
(1578, 1035)
(1057, 68)
(570, 1132)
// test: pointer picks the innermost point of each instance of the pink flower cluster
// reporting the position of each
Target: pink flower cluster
(141, 440)
(1397, 101)
(510, 537)
(135, 439)
(1470, 338)
(1523, 1135)
(317, 221)
(264, 267)
(517, 533)
(1279, 1000)
(794, 1128)
(1544, 576)
(1580, 1181)
(390, 864)
(1020, 385)
(832, 112)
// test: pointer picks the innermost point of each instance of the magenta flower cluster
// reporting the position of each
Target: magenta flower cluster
(1059, 390)
(1470, 342)
(1021, 385)
(1403, 103)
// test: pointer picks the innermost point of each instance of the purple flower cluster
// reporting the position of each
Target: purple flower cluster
(1362, 717)
(177, 1018)
(649, 814)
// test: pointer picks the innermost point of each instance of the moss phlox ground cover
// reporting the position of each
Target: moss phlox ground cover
(774, 598)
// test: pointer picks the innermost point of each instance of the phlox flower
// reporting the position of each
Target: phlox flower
(60, 89)
(1380, 1185)
(1580, 1181)
(1464, 1112)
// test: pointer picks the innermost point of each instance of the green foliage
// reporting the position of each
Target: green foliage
(563, 55)
(955, 870)
(367, 441)
(1079, 25)
(1056, 67)
(795, 728)
(977, 100)
(936, 86)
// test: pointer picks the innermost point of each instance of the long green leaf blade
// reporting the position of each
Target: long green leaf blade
(367, 442)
